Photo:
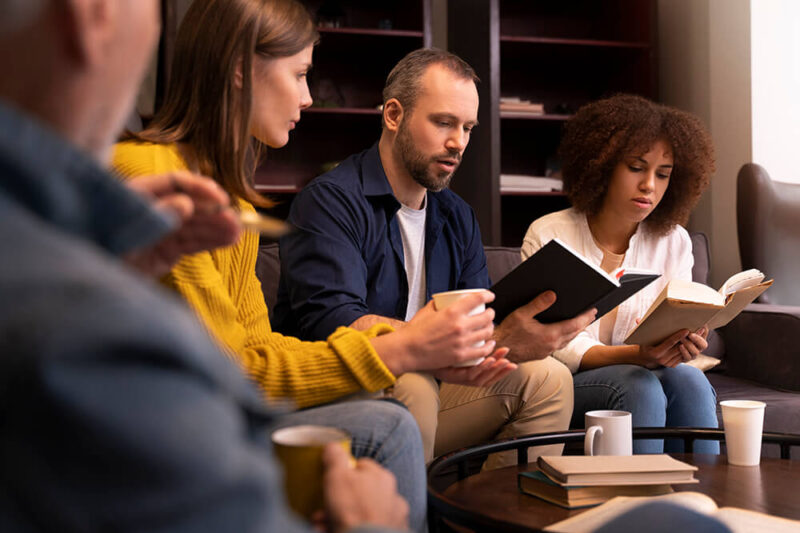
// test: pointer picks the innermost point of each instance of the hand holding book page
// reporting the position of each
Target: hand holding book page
(689, 305)
(737, 520)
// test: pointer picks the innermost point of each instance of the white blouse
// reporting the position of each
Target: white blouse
(670, 255)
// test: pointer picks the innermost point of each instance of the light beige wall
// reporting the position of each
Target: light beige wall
(775, 27)
(704, 48)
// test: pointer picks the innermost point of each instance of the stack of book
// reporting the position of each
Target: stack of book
(515, 104)
(524, 183)
(583, 481)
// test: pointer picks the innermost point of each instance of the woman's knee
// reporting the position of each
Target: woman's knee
(640, 389)
(686, 380)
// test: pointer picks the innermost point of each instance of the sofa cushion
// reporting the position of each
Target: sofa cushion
(500, 260)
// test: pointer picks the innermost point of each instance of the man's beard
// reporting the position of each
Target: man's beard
(420, 167)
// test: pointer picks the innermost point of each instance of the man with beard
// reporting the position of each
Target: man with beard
(381, 233)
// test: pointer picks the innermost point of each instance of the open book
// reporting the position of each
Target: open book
(579, 285)
(686, 304)
(738, 520)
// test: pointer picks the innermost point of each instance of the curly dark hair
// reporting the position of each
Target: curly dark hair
(603, 133)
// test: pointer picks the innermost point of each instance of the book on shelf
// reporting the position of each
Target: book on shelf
(518, 105)
(578, 283)
(601, 470)
(689, 305)
(523, 183)
(736, 519)
(539, 485)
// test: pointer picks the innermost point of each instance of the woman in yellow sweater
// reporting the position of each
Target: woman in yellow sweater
(231, 91)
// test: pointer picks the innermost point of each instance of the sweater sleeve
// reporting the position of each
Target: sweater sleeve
(222, 289)
(309, 373)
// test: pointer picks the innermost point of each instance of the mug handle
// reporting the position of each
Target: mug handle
(588, 441)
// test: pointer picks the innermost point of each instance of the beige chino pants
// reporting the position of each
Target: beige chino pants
(535, 398)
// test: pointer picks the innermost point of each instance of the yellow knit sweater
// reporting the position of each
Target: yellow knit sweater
(222, 288)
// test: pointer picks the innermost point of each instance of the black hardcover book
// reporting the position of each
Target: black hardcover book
(578, 284)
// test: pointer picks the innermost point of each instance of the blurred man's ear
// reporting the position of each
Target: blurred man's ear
(393, 114)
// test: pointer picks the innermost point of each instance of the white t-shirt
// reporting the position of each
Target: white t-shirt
(670, 255)
(412, 231)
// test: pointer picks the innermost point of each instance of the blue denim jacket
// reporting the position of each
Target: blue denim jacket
(118, 412)
(345, 259)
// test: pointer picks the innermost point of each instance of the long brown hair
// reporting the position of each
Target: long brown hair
(202, 107)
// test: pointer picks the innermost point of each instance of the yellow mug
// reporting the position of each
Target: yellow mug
(299, 450)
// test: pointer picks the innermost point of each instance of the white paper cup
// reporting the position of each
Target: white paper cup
(443, 300)
(608, 433)
(744, 423)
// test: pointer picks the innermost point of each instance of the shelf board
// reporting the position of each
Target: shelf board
(344, 110)
(372, 31)
(505, 192)
(574, 42)
(533, 116)
(276, 189)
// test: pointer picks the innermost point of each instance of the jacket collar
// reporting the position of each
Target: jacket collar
(66, 187)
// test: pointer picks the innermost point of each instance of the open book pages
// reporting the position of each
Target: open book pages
(737, 520)
(688, 305)
(688, 291)
(599, 470)
(742, 280)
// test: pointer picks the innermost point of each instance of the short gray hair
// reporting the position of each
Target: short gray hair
(16, 14)
(403, 81)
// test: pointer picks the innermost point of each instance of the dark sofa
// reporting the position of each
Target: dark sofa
(759, 349)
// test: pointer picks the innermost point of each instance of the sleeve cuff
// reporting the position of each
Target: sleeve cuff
(572, 354)
(357, 352)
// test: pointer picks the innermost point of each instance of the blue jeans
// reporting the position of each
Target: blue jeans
(382, 430)
(665, 397)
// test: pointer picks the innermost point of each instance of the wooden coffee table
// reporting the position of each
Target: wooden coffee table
(491, 501)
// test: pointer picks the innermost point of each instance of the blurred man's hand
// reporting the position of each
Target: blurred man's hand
(364, 494)
(205, 219)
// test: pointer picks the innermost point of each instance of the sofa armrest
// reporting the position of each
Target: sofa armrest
(762, 344)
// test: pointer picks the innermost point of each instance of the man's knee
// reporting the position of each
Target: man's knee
(417, 392)
(420, 394)
(544, 377)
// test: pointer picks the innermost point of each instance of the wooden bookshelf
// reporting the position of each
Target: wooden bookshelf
(560, 54)
(351, 63)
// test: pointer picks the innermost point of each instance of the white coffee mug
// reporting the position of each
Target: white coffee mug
(443, 300)
(608, 433)
(744, 422)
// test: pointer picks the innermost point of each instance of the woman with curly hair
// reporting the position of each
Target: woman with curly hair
(633, 170)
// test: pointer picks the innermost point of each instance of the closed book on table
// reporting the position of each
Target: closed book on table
(576, 496)
(596, 470)
(578, 283)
